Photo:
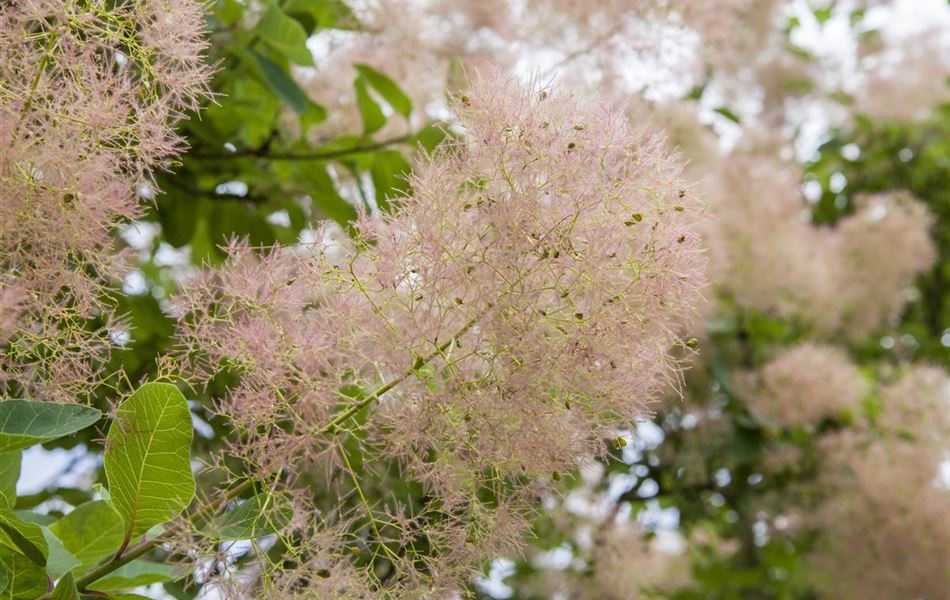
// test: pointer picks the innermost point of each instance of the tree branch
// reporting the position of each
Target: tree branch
(325, 155)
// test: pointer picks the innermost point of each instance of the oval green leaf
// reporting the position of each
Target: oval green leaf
(286, 35)
(91, 532)
(24, 423)
(147, 458)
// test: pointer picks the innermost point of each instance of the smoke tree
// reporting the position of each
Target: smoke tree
(337, 302)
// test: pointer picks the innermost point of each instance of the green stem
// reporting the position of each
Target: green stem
(331, 426)
(36, 82)
(121, 559)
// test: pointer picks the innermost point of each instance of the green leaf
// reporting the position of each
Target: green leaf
(373, 117)
(314, 115)
(387, 88)
(61, 560)
(281, 83)
(24, 423)
(9, 474)
(147, 458)
(229, 11)
(430, 136)
(25, 579)
(727, 112)
(65, 589)
(823, 14)
(286, 35)
(260, 515)
(390, 172)
(4, 580)
(26, 537)
(34, 517)
(323, 14)
(91, 532)
(133, 574)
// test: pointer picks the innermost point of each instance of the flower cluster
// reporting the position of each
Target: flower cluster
(804, 385)
(916, 406)
(518, 307)
(766, 255)
(89, 96)
(884, 528)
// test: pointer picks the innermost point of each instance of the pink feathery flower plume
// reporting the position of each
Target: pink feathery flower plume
(518, 307)
(88, 104)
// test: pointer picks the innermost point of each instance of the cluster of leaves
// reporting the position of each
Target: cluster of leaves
(96, 547)
(147, 462)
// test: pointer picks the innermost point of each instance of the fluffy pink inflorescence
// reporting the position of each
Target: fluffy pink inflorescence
(90, 95)
(880, 250)
(805, 384)
(884, 527)
(765, 255)
(516, 309)
(917, 405)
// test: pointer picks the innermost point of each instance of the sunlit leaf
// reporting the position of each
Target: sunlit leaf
(147, 458)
